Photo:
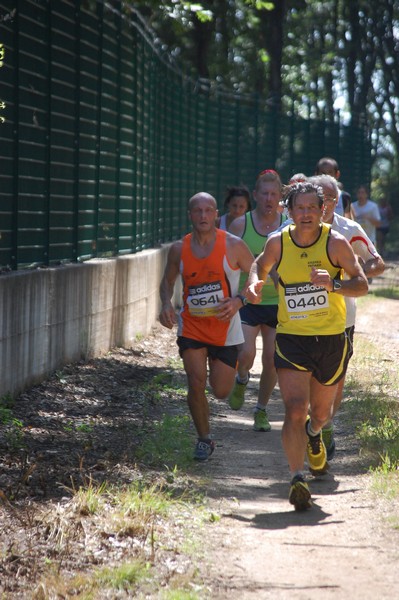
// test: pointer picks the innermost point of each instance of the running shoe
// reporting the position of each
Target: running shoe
(261, 421)
(236, 398)
(203, 449)
(299, 494)
(316, 451)
(329, 441)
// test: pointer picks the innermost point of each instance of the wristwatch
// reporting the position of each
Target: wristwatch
(243, 299)
(337, 285)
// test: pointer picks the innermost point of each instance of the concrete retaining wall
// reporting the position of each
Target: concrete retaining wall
(55, 316)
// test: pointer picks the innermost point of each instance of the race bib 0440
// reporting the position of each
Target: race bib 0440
(306, 299)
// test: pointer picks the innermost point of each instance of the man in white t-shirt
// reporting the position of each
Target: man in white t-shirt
(372, 265)
(329, 166)
(366, 213)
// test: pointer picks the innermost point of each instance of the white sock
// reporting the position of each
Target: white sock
(312, 432)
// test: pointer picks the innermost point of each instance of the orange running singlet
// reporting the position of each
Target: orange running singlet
(206, 281)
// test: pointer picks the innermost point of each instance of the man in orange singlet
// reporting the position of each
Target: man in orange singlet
(210, 262)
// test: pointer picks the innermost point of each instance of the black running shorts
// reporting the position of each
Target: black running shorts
(349, 334)
(325, 356)
(259, 314)
(226, 354)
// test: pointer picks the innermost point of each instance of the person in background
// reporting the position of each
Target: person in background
(346, 202)
(372, 265)
(386, 216)
(209, 262)
(254, 228)
(366, 213)
(311, 345)
(329, 166)
(236, 203)
(297, 178)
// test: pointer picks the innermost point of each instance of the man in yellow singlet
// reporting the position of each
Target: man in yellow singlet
(311, 345)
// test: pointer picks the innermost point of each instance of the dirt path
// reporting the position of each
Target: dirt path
(86, 421)
(343, 547)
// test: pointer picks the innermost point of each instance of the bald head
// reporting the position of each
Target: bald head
(202, 212)
(328, 166)
(200, 198)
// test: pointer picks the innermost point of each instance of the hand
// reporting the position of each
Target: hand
(167, 316)
(228, 308)
(254, 292)
(321, 278)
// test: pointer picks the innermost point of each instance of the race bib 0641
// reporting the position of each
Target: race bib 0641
(203, 299)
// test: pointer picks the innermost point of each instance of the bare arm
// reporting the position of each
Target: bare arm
(369, 259)
(342, 254)
(373, 267)
(348, 213)
(239, 255)
(167, 315)
(262, 266)
(374, 221)
(237, 227)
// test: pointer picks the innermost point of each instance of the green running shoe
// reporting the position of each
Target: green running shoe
(329, 441)
(236, 398)
(261, 421)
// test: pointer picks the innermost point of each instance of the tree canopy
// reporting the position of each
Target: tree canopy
(322, 58)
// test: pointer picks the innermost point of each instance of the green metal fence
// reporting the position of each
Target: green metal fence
(103, 141)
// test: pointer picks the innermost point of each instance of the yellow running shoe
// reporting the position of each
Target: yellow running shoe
(299, 494)
(317, 453)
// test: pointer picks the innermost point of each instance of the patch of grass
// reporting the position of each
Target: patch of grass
(13, 427)
(168, 443)
(179, 595)
(380, 438)
(386, 484)
(175, 363)
(71, 426)
(148, 521)
(372, 388)
(141, 502)
(122, 576)
(163, 378)
(163, 387)
(391, 292)
(7, 401)
(165, 384)
(90, 499)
